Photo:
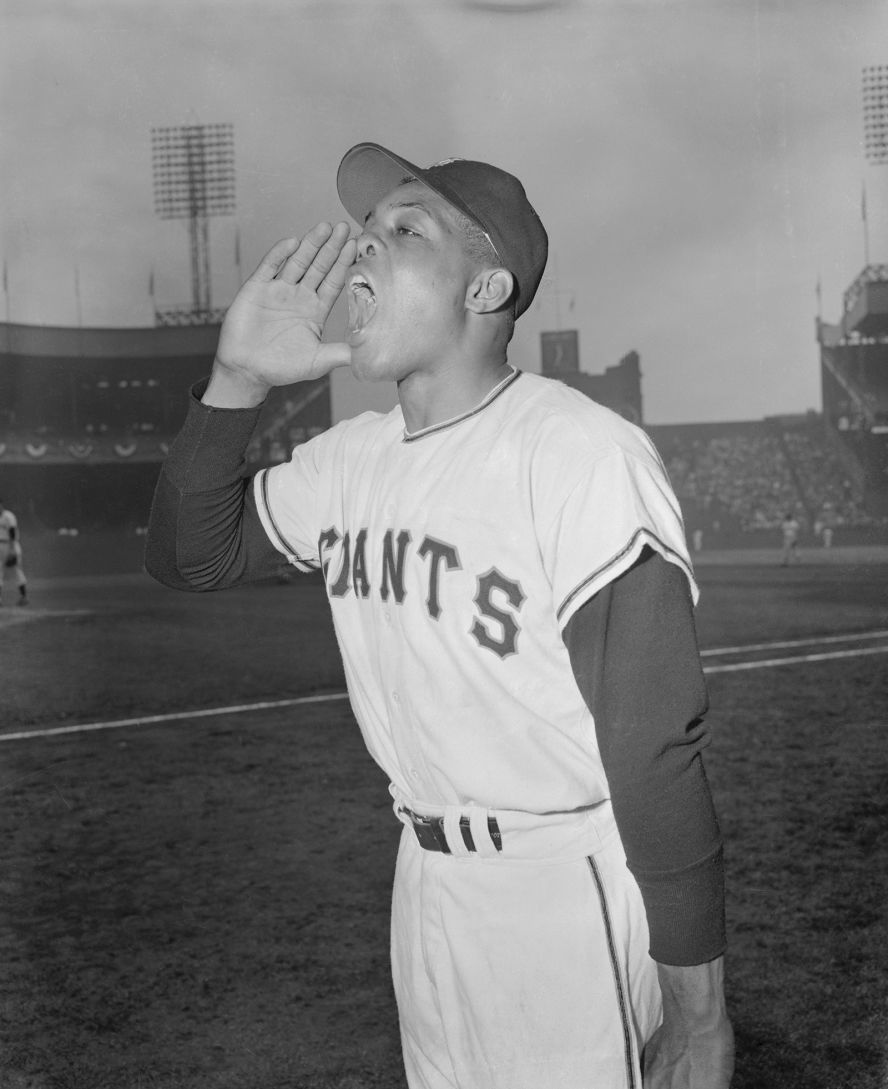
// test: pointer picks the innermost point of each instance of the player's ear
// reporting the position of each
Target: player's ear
(489, 290)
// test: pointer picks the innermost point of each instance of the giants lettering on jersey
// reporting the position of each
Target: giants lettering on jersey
(498, 599)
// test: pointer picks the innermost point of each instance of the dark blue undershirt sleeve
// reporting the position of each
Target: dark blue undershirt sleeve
(633, 649)
(204, 531)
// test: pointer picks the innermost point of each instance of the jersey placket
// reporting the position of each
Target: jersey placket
(403, 718)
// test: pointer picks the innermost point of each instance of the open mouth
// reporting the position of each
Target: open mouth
(361, 303)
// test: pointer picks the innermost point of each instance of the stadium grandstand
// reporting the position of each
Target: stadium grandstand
(737, 480)
(744, 477)
(854, 383)
(87, 416)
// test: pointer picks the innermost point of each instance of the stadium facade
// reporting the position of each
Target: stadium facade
(618, 387)
(87, 416)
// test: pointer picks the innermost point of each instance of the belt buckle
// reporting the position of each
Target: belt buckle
(429, 831)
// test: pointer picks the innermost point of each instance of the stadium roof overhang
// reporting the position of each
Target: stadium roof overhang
(866, 303)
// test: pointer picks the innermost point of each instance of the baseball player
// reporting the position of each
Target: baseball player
(511, 591)
(790, 530)
(11, 554)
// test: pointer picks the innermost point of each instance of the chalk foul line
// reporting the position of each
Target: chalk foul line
(762, 663)
(329, 697)
(786, 644)
(172, 716)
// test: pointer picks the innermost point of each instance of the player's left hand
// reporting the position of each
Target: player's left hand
(694, 1046)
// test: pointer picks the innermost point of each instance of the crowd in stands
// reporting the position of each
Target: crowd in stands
(750, 480)
(833, 497)
(744, 476)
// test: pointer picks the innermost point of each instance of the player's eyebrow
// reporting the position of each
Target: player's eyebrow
(395, 204)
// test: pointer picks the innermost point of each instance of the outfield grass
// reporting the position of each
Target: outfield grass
(204, 902)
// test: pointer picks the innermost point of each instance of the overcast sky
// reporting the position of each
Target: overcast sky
(699, 165)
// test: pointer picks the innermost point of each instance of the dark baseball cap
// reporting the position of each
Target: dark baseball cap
(488, 196)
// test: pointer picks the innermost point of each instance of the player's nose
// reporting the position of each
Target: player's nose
(368, 244)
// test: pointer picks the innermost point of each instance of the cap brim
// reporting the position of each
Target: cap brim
(367, 172)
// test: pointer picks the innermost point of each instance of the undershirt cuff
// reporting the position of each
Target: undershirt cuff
(685, 912)
(208, 452)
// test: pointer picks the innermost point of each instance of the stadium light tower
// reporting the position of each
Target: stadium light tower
(193, 168)
(875, 113)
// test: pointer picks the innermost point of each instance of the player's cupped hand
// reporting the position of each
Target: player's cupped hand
(272, 331)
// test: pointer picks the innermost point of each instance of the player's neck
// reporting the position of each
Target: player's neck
(428, 399)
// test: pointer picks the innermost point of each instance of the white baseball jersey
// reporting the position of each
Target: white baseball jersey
(454, 557)
(8, 521)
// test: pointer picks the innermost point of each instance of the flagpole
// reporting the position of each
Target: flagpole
(866, 253)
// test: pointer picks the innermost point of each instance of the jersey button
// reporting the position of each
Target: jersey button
(396, 697)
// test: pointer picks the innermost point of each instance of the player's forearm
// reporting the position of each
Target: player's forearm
(202, 533)
(695, 994)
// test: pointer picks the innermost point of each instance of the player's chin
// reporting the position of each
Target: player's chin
(367, 365)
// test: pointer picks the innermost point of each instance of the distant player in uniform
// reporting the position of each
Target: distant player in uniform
(11, 555)
(790, 529)
(825, 526)
(513, 598)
